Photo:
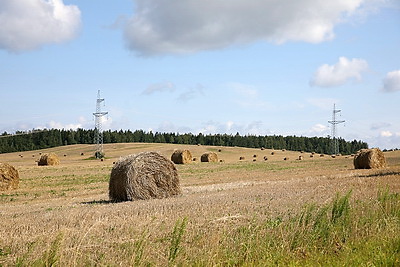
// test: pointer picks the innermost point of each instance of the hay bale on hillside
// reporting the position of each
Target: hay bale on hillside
(241, 158)
(143, 176)
(265, 158)
(48, 160)
(181, 156)
(369, 159)
(300, 157)
(209, 157)
(9, 177)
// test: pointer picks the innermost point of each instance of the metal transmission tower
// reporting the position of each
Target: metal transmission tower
(334, 122)
(98, 131)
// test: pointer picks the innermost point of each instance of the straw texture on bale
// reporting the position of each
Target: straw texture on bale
(143, 176)
(209, 157)
(369, 159)
(181, 156)
(48, 159)
(9, 177)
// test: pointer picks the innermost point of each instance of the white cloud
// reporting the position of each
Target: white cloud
(159, 87)
(319, 130)
(30, 24)
(385, 139)
(82, 123)
(191, 93)
(338, 74)
(386, 134)
(391, 83)
(380, 125)
(188, 26)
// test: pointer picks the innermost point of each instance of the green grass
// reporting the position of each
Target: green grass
(340, 233)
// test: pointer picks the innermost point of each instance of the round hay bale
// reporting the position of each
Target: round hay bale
(219, 150)
(322, 155)
(143, 176)
(48, 159)
(82, 154)
(209, 157)
(254, 156)
(181, 156)
(272, 153)
(254, 159)
(300, 157)
(265, 158)
(9, 177)
(285, 158)
(369, 159)
(241, 158)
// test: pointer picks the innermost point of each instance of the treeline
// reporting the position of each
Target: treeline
(32, 140)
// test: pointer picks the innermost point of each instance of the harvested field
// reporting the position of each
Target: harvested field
(62, 214)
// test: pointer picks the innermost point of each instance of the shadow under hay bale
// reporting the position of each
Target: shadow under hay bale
(369, 159)
(50, 159)
(9, 177)
(143, 176)
(209, 157)
(181, 157)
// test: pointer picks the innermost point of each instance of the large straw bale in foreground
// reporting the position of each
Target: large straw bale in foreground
(181, 156)
(48, 160)
(209, 157)
(369, 159)
(9, 177)
(143, 176)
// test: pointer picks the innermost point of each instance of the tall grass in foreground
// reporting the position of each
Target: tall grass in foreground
(340, 233)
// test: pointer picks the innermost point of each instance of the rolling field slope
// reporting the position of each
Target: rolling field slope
(230, 213)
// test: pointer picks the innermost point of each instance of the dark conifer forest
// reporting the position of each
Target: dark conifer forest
(33, 140)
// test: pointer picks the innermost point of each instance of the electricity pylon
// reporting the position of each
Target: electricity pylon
(334, 122)
(98, 130)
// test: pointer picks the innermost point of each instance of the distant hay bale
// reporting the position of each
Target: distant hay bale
(143, 176)
(82, 154)
(272, 153)
(300, 157)
(9, 177)
(322, 155)
(254, 159)
(265, 158)
(48, 160)
(285, 158)
(262, 148)
(181, 156)
(254, 156)
(311, 156)
(241, 158)
(369, 159)
(219, 150)
(209, 157)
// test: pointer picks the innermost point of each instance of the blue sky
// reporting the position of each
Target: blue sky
(211, 66)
